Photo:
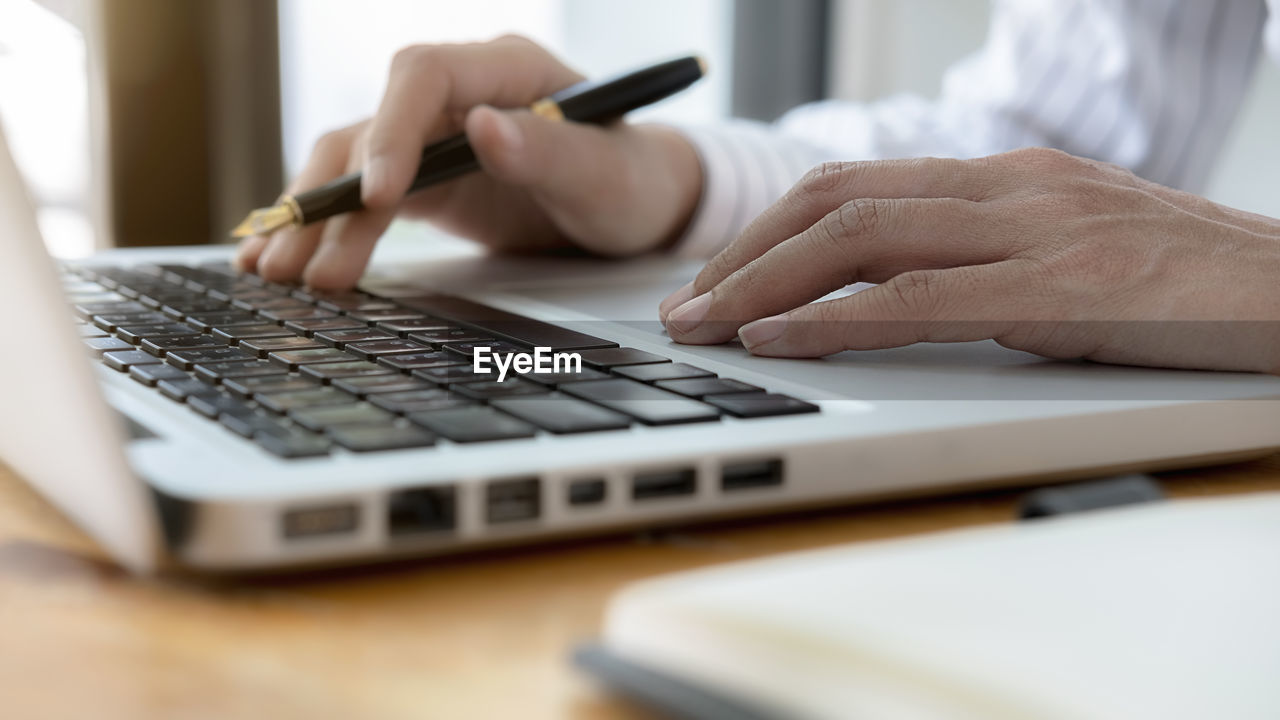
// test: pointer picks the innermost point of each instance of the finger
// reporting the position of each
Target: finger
(862, 241)
(428, 84)
(247, 254)
(346, 244)
(832, 185)
(289, 250)
(962, 304)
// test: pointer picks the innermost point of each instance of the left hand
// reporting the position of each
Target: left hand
(1036, 249)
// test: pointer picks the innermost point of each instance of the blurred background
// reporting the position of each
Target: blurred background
(154, 122)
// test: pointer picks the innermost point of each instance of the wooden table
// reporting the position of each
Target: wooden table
(481, 637)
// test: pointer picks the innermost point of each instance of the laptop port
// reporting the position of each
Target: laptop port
(320, 521)
(422, 510)
(513, 501)
(751, 475)
(587, 492)
(671, 483)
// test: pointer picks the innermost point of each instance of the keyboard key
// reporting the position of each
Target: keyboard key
(496, 347)
(214, 406)
(180, 390)
(374, 350)
(234, 334)
(360, 438)
(663, 371)
(277, 303)
(322, 417)
(182, 309)
(759, 405)
(106, 344)
(702, 387)
(564, 378)
(265, 346)
(218, 372)
(135, 334)
(311, 327)
(436, 338)
(317, 397)
(268, 385)
(91, 331)
(160, 346)
(647, 404)
(475, 424)
(88, 310)
(383, 315)
(293, 443)
(302, 313)
(405, 328)
(297, 358)
(620, 357)
(453, 375)
(332, 371)
(379, 384)
(111, 321)
(122, 361)
(563, 415)
(508, 326)
(204, 322)
(149, 375)
(419, 401)
(417, 361)
(492, 390)
(340, 338)
(186, 359)
(250, 424)
(347, 301)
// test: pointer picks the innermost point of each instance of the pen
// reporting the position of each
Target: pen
(588, 102)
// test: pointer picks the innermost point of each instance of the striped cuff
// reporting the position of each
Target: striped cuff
(746, 167)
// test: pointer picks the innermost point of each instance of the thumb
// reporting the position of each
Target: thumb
(572, 168)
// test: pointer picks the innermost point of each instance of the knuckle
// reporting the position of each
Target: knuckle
(862, 218)
(414, 59)
(826, 178)
(918, 293)
(515, 39)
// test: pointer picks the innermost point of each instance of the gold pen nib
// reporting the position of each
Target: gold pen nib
(266, 221)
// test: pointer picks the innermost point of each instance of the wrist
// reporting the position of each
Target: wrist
(679, 180)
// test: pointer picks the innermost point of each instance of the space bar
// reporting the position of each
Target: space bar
(509, 326)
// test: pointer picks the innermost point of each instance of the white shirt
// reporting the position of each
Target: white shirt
(1152, 85)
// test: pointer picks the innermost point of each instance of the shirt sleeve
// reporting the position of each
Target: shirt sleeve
(1152, 85)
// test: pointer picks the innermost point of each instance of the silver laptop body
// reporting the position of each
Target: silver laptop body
(157, 484)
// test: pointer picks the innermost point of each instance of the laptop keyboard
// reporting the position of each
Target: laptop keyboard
(302, 373)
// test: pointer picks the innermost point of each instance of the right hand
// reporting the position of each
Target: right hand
(618, 190)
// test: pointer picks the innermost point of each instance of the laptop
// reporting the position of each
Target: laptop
(188, 416)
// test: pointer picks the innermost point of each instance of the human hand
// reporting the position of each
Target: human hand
(1039, 250)
(618, 190)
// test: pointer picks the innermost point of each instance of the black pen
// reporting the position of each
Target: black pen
(588, 102)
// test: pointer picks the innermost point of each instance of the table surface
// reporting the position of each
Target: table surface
(479, 637)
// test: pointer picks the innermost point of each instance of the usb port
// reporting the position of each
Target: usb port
(587, 492)
(422, 510)
(514, 501)
(751, 475)
(671, 483)
(320, 521)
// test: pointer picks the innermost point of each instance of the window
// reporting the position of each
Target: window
(44, 112)
(335, 53)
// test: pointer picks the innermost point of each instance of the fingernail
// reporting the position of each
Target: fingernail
(763, 332)
(373, 179)
(687, 317)
(675, 300)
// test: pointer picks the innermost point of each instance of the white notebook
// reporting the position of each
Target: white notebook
(1166, 611)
